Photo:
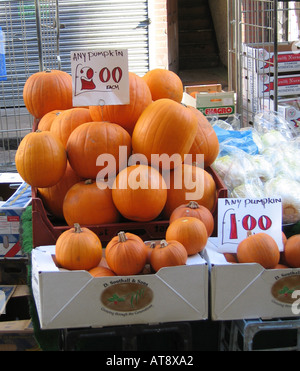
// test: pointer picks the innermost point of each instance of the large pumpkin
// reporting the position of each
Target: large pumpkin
(46, 91)
(292, 251)
(89, 202)
(91, 139)
(189, 231)
(41, 159)
(78, 249)
(259, 248)
(165, 127)
(164, 84)
(126, 115)
(206, 142)
(53, 197)
(190, 182)
(139, 193)
(63, 125)
(126, 254)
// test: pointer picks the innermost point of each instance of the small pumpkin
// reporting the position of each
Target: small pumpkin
(230, 257)
(46, 91)
(78, 249)
(259, 248)
(168, 254)
(292, 251)
(164, 84)
(100, 271)
(126, 254)
(139, 193)
(189, 231)
(63, 125)
(46, 121)
(41, 159)
(89, 202)
(197, 211)
(92, 139)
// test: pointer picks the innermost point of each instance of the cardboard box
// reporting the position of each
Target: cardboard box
(10, 216)
(46, 230)
(259, 58)
(70, 299)
(245, 291)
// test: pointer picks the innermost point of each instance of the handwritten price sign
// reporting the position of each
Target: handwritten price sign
(238, 216)
(100, 77)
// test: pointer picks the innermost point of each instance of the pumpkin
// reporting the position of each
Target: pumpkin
(190, 182)
(281, 266)
(101, 272)
(125, 254)
(230, 257)
(46, 121)
(150, 245)
(46, 91)
(164, 128)
(91, 139)
(206, 142)
(126, 115)
(197, 211)
(53, 197)
(89, 202)
(292, 251)
(41, 159)
(78, 249)
(164, 84)
(168, 254)
(63, 125)
(259, 248)
(189, 231)
(139, 193)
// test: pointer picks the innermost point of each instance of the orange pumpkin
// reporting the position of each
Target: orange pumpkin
(197, 211)
(91, 139)
(125, 254)
(189, 231)
(190, 182)
(230, 257)
(89, 202)
(126, 115)
(41, 159)
(53, 197)
(78, 249)
(168, 254)
(46, 121)
(165, 127)
(101, 272)
(292, 251)
(46, 91)
(63, 125)
(281, 266)
(164, 84)
(259, 248)
(206, 142)
(139, 193)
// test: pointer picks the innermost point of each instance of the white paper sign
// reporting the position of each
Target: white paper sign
(238, 216)
(100, 77)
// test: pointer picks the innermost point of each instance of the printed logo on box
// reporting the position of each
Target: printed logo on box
(285, 286)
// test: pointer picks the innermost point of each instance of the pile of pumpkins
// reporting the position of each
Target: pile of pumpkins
(61, 161)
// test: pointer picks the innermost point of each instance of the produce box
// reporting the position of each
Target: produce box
(69, 299)
(210, 100)
(10, 216)
(244, 291)
(260, 59)
(46, 230)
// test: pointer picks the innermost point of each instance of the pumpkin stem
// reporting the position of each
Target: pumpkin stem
(122, 237)
(249, 233)
(163, 243)
(193, 205)
(77, 228)
(88, 181)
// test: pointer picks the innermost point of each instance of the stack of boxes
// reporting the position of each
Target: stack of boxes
(258, 80)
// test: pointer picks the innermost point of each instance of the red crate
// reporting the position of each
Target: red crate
(46, 230)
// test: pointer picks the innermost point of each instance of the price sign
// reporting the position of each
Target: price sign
(239, 216)
(100, 77)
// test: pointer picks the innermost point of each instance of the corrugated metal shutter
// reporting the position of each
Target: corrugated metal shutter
(105, 24)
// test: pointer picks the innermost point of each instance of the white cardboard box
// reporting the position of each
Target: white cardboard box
(69, 299)
(247, 291)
